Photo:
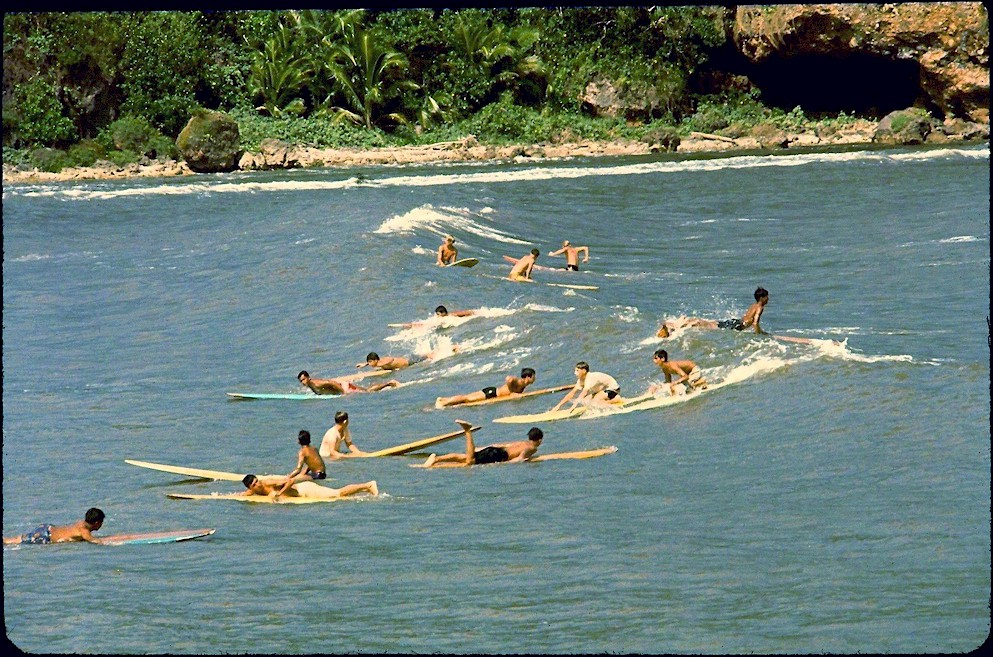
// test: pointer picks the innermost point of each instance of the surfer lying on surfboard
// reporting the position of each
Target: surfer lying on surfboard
(255, 486)
(512, 452)
(391, 363)
(512, 385)
(335, 387)
(78, 531)
(749, 320)
(440, 311)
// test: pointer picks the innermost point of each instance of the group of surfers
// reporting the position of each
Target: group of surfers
(592, 387)
(448, 253)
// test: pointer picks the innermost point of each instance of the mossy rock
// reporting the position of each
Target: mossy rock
(210, 143)
(909, 126)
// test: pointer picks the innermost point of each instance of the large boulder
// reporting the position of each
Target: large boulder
(948, 42)
(907, 126)
(210, 143)
(273, 154)
(602, 97)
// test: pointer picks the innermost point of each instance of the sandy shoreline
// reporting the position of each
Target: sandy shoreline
(285, 156)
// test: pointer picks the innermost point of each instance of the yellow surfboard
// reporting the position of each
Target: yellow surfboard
(550, 416)
(254, 499)
(415, 445)
(554, 456)
(511, 397)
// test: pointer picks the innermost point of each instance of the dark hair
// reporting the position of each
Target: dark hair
(526, 372)
(372, 355)
(535, 252)
(248, 480)
(535, 434)
(93, 516)
(303, 437)
(303, 373)
(340, 417)
(761, 292)
(583, 365)
(662, 353)
(441, 309)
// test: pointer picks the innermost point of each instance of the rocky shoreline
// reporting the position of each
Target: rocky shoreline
(279, 155)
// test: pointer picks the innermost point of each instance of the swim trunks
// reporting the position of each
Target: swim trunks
(413, 360)
(490, 392)
(492, 454)
(40, 536)
(572, 267)
(348, 386)
(612, 393)
(733, 323)
(316, 475)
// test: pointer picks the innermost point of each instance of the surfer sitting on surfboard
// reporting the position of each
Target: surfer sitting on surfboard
(521, 271)
(306, 489)
(335, 436)
(334, 387)
(749, 320)
(512, 385)
(310, 465)
(513, 452)
(78, 531)
(447, 253)
(686, 370)
(572, 255)
(598, 387)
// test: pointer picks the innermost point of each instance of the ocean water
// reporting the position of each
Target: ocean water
(831, 497)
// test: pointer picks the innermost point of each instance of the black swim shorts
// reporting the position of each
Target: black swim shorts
(733, 323)
(492, 454)
(490, 392)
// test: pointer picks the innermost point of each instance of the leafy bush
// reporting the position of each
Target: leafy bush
(37, 116)
(86, 153)
(49, 159)
(123, 158)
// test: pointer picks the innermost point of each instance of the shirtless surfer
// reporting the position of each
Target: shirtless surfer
(749, 320)
(336, 387)
(391, 363)
(255, 486)
(78, 531)
(597, 387)
(572, 255)
(686, 372)
(447, 253)
(512, 385)
(310, 465)
(335, 436)
(521, 270)
(440, 311)
(512, 452)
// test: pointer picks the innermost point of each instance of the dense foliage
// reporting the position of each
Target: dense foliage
(84, 86)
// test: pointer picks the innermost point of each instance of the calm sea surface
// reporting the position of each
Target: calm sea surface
(829, 498)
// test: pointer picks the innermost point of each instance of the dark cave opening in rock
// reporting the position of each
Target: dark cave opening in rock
(862, 85)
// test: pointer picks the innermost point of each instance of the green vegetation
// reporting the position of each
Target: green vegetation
(92, 86)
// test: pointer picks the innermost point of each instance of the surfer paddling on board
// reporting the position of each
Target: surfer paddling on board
(310, 465)
(447, 253)
(597, 387)
(513, 452)
(335, 387)
(255, 486)
(572, 255)
(749, 320)
(335, 436)
(78, 531)
(521, 270)
(512, 385)
(440, 311)
(686, 372)
(391, 363)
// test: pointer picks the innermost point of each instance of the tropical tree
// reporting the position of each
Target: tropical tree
(279, 73)
(368, 75)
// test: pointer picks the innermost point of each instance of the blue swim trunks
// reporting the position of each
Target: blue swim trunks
(40, 536)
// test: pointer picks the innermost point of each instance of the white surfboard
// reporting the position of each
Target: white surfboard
(464, 262)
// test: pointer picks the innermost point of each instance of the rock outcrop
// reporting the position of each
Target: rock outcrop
(947, 41)
(210, 143)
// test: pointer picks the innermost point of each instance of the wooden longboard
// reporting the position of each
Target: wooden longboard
(531, 280)
(156, 537)
(538, 267)
(464, 262)
(550, 416)
(216, 475)
(415, 445)
(279, 395)
(254, 499)
(554, 456)
(494, 400)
